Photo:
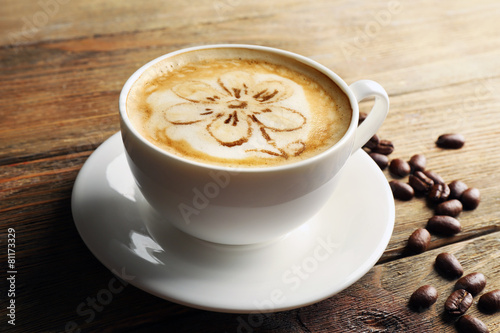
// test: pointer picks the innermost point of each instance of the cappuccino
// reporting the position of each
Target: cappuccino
(238, 107)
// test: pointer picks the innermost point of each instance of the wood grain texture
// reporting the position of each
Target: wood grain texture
(62, 66)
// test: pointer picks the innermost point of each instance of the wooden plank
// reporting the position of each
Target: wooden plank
(26, 23)
(31, 183)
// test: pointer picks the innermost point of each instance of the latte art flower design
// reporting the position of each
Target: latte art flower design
(237, 108)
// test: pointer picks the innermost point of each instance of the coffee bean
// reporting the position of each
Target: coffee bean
(443, 225)
(474, 283)
(423, 297)
(420, 182)
(457, 188)
(399, 168)
(372, 143)
(439, 193)
(451, 208)
(434, 176)
(381, 160)
(384, 147)
(419, 241)
(448, 265)
(401, 191)
(417, 162)
(490, 302)
(469, 324)
(458, 302)
(450, 141)
(470, 198)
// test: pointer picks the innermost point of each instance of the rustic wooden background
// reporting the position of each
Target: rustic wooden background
(63, 64)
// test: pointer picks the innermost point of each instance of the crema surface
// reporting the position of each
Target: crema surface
(238, 108)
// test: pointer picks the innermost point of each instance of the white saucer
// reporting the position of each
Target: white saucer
(324, 256)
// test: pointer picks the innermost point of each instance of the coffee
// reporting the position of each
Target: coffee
(238, 107)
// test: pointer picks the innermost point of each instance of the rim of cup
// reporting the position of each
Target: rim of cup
(302, 59)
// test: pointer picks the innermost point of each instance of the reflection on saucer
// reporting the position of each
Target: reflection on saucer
(118, 170)
(145, 247)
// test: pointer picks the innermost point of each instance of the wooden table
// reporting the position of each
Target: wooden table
(63, 64)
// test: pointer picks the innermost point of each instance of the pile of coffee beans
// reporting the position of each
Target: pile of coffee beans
(462, 297)
(448, 201)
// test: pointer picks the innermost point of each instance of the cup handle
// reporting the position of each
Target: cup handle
(363, 89)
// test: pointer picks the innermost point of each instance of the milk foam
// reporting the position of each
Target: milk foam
(243, 110)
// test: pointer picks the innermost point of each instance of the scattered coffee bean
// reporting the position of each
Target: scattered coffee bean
(451, 208)
(439, 193)
(458, 302)
(420, 182)
(384, 147)
(450, 141)
(448, 265)
(401, 191)
(469, 324)
(419, 241)
(490, 302)
(470, 198)
(443, 225)
(451, 200)
(474, 283)
(457, 188)
(362, 117)
(423, 297)
(417, 162)
(434, 176)
(399, 168)
(381, 160)
(372, 143)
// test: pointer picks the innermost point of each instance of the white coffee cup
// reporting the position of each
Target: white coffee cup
(238, 206)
